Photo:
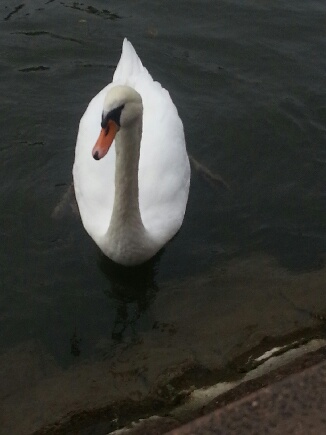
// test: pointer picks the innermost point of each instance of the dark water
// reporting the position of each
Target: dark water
(249, 81)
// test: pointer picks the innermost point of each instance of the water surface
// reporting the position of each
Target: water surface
(248, 79)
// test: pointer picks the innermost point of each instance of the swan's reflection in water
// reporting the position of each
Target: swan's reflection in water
(132, 288)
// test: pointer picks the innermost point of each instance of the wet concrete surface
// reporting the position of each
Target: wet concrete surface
(295, 405)
(288, 400)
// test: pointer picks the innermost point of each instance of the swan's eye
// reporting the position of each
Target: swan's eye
(114, 115)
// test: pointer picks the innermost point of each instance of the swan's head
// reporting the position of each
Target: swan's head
(122, 108)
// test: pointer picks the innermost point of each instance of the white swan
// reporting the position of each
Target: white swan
(132, 201)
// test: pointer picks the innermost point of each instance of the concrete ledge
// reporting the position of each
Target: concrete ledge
(295, 405)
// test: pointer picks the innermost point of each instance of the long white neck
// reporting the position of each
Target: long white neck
(128, 238)
(126, 200)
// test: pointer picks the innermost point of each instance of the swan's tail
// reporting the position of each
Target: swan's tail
(129, 64)
(131, 72)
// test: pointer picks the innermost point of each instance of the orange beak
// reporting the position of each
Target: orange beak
(105, 140)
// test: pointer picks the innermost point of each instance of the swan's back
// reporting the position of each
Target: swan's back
(164, 171)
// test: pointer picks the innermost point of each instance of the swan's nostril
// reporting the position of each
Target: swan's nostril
(96, 156)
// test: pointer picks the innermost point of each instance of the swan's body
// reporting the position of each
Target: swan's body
(133, 200)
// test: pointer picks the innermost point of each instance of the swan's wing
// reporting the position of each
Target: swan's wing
(164, 171)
